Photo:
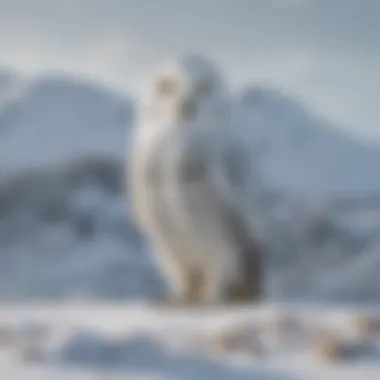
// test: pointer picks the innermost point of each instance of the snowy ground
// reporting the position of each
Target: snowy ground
(86, 341)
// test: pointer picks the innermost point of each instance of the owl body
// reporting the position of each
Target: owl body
(202, 243)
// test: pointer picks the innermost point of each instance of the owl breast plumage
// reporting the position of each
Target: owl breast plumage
(188, 179)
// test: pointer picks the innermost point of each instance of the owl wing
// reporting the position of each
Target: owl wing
(237, 183)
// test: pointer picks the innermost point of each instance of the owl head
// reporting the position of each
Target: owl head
(186, 92)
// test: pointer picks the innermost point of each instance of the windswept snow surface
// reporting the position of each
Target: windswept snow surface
(82, 341)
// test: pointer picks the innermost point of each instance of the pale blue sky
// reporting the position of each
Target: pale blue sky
(326, 51)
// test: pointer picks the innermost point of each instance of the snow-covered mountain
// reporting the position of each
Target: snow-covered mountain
(56, 118)
(64, 223)
(304, 154)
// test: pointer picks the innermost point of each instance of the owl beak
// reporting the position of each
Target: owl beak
(188, 109)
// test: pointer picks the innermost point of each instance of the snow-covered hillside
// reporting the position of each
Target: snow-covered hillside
(65, 230)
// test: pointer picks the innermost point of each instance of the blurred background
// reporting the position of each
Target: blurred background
(306, 72)
(307, 75)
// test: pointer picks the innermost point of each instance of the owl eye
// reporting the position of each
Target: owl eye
(167, 86)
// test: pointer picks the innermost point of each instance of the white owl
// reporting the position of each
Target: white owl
(190, 179)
